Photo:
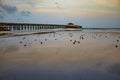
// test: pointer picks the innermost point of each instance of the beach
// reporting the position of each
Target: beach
(61, 55)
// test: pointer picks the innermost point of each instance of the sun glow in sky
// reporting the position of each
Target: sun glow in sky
(89, 13)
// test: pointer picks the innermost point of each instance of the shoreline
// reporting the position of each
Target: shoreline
(26, 33)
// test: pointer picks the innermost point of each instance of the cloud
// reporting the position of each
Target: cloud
(8, 9)
(1, 1)
(58, 5)
(118, 4)
(25, 13)
(1, 15)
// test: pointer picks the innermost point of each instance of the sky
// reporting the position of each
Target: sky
(88, 13)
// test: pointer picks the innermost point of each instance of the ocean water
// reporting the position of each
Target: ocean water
(61, 55)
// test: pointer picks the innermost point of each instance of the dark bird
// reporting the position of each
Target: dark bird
(41, 42)
(74, 42)
(45, 39)
(117, 40)
(25, 45)
(70, 40)
(116, 46)
(20, 42)
(78, 42)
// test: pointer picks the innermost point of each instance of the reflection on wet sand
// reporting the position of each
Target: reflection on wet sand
(65, 55)
(114, 69)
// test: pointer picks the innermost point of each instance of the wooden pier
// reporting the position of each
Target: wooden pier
(26, 26)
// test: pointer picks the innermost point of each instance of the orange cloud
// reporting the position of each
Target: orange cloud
(118, 3)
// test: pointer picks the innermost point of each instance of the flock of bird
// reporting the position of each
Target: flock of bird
(77, 41)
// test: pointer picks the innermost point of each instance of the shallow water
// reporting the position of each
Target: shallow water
(65, 55)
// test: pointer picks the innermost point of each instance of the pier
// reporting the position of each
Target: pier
(27, 27)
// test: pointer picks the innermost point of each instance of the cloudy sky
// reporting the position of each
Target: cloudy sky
(88, 13)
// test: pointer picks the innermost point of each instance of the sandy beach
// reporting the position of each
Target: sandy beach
(62, 55)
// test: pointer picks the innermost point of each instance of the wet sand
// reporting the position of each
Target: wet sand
(63, 55)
